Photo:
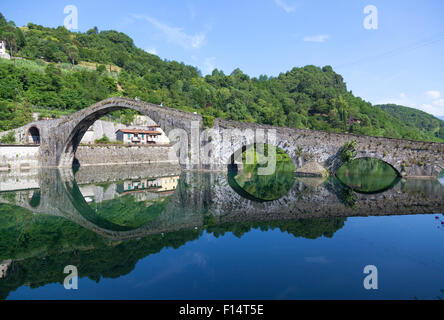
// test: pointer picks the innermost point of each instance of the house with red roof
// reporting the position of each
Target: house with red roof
(138, 136)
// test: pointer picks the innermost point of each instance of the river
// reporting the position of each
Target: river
(154, 232)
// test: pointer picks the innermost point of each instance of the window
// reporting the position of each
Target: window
(129, 135)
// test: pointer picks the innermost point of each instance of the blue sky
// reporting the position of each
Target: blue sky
(399, 62)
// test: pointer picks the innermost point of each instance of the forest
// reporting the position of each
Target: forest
(63, 71)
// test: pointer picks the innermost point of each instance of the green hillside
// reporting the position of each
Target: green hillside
(68, 71)
(429, 126)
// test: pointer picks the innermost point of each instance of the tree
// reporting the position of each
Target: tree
(94, 30)
(11, 39)
(21, 41)
(73, 53)
(3, 21)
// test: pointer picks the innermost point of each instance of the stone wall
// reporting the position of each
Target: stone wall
(409, 158)
(119, 154)
(18, 157)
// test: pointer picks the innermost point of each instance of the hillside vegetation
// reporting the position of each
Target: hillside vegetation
(62, 77)
(428, 125)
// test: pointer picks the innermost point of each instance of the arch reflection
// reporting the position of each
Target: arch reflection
(245, 180)
(368, 175)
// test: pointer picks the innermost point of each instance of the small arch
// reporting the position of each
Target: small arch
(33, 135)
(34, 202)
(245, 178)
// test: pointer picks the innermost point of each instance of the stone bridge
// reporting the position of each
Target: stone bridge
(200, 195)
(213, 148)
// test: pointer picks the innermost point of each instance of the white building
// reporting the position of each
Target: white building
(3, 53)
(136, 136)
(107, 128)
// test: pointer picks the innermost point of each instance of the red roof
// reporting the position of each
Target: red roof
(137, 131)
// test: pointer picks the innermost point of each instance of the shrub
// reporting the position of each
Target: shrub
(101, 68)
(103, 140)
(208, 121)
(348, 151)
(8, 138)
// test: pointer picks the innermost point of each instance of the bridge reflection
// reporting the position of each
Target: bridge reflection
(165, 200)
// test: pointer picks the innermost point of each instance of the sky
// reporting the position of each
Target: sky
(387, 51)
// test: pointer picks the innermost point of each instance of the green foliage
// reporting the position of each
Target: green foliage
(308, 228)
(348, 152)
(367, 175)
(429, 127)
(348, 197)
(101, 68)
(124, 211)
(9, 138)
(103, 140)
(251, 185)
(11, 118)
(208, 121)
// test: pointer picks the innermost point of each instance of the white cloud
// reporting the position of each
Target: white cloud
(433, 94)
(435, 108)
(317, 38)
(439, 103)
(176, 35)
(152, 51)
(288, 7)
(401, 99)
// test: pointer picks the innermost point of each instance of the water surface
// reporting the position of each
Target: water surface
(154, 233)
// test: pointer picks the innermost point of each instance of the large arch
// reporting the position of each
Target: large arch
(74, 127)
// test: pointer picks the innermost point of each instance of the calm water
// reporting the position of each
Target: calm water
(156, 233)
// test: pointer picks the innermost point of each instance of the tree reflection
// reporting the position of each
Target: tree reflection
(368, 175)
